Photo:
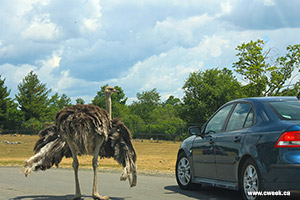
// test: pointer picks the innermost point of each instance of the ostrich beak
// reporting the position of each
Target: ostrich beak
(115, 91)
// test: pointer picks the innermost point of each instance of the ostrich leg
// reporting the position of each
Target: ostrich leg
(75, 166)
(98, 144)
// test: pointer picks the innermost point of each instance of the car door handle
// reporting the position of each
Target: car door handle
(210, 139)
(237, 139)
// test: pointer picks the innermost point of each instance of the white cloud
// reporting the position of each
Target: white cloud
(269, 3)
(46, 67)
(226, 8)
(181, 32)
(41, 29)
(92, 21)
(65, 82)
(6, 50)
(91, 24)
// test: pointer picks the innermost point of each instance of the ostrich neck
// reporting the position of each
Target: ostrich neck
(108, 104)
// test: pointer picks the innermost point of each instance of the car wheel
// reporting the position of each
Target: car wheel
(183, 172)
(250, 180)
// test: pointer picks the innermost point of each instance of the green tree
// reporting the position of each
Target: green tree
(5, 103)
(147, 102)
(56, 103)
(120, 110)
(263, 78)
(14, 117)
(164, 120)
(64, 101)
(79, 101)
(135, 124)
(206, 91)
(32, 98)
(285, 66)
(59, 102)
(174, 101)
(291, 91)
(253, 67)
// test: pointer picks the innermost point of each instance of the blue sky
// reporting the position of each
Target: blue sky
(77, 46)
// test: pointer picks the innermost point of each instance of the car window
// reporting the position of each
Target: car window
(249, 120)
(216, 123)
(240, 117)
(286, 110)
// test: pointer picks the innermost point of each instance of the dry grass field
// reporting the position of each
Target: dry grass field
(152, 156)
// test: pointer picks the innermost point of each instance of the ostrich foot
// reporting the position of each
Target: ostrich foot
(100, 197)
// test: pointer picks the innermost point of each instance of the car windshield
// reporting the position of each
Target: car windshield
(286, 110)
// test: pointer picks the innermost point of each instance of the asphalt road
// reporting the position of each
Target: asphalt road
(58, 184)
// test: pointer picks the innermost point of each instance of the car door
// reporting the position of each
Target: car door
(229, 142)
(203, 151)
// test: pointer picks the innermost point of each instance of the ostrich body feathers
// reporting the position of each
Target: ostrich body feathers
(81, 124)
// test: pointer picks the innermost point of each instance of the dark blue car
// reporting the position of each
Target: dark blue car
(251, 145)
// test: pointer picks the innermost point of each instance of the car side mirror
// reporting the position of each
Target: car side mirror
(194, 130)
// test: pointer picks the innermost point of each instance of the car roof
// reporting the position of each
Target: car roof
(266, 99)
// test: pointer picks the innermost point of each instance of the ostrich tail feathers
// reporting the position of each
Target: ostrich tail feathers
(49, 150)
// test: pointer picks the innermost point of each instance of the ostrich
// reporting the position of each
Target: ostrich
(80, 130)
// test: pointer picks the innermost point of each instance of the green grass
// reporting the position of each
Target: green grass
(152, 156)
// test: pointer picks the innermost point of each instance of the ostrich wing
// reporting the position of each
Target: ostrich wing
(120, 147)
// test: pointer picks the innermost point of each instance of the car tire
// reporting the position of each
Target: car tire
(250, 180)
(184, 173)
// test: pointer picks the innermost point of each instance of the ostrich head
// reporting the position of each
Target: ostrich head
(108, 91)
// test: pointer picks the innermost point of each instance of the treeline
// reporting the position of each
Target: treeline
(257, 74)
